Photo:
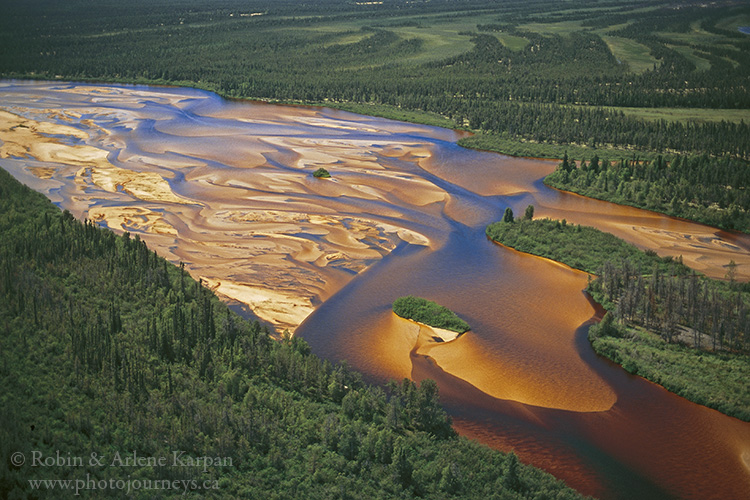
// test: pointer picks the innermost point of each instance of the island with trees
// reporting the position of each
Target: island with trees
(664, 321)
(430, 313)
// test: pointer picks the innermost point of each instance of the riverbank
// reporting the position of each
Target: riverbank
(580, 247)
(715, 378)
(497, 143)
(706, 190)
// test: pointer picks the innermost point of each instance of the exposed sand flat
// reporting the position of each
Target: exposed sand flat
(22, 137)
(271, 235)
(340, 125)
(506, 380)
(272, 306)
(42, 172)
(146, 186)
(133, 219)
(433, 335)
(10, 122)
(702, 249)
(426, 334)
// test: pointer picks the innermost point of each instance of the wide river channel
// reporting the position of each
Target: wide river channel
(226, 188)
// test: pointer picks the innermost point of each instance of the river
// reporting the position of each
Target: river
(226, 187)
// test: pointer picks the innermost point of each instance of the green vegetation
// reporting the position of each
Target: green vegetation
(393, 113)
(580, 247)
(715, 380)
(502, 143)
(538, 75)
(428, 312)
(681, 114)
(709, 190)
(637, 55)
(656, 305)
(106, 348)
(321, 173)
(679, 305)
(89, 317)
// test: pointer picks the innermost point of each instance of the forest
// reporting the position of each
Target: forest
(665, 322)
(108, 348)
(532, 73)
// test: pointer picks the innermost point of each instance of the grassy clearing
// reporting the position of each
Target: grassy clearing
(734, 23)
(439, 39)
(636, 55)
(437, 43)
(697, 35)
(559, 28)
(348, 38)
(581, 10)
(701, 64)
(512, 42)
(685, 114)
(442, 39)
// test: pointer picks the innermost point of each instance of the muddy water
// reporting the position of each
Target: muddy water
(226, 187)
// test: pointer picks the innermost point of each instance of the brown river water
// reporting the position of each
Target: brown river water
(227, 188)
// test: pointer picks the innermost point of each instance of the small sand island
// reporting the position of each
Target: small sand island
(445, 323)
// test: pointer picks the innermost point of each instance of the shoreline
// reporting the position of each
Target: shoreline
(445, 336)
